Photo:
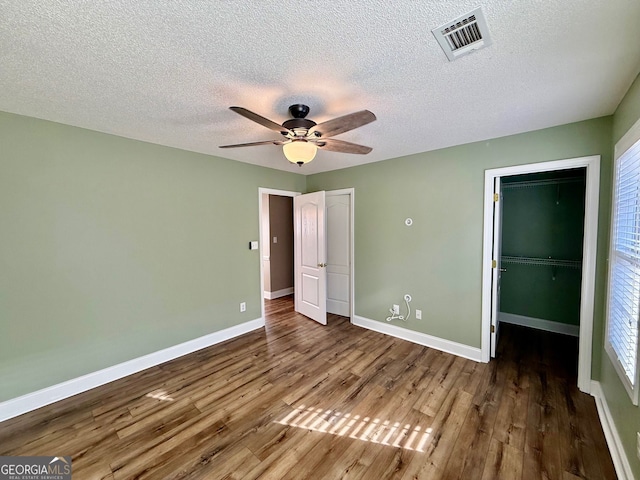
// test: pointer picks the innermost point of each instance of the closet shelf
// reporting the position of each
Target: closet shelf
(552, 262)
(542, 183)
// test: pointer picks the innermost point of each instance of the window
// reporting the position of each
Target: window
(623, 299)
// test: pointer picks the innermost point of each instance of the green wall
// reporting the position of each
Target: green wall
(543, 221)
(113, 248)
(438, 259)
(626, 416)
(627, 112)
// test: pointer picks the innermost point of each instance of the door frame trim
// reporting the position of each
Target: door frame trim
(261, 192)
(352, 193)
(496, 275)
(592, 192)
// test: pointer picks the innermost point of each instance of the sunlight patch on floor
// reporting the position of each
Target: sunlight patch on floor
(160, 395)
(374, 430)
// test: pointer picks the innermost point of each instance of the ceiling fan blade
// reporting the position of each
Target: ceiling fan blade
(265, 122)
(334, 145)
(343, 124)
(253, 144)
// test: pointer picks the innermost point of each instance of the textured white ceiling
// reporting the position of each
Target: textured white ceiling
(166, 71)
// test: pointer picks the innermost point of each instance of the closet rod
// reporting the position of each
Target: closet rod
(541, 183)
(552, 262)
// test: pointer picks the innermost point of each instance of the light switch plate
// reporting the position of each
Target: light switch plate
(253, 245)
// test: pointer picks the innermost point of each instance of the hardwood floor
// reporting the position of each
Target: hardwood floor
(299, 400)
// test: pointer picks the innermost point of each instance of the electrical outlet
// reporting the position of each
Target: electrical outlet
(418, 314)
(243, 306)
(396, 309)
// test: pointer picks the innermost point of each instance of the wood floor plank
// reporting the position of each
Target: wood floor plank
(470, 450)
(469, 378)
(93, 470)
(288, 454)
(324, 456)
(589, 414)
(70, 440)
(446, 426)
(234, 463)
(123, 391)
(299, 400)
(440, 385)
(569, 476)
(511, 422)
(390, 463)
(542, 454)
(163, 420)
(504, 462)
(352, 464)
(46, 431)
(573, 457)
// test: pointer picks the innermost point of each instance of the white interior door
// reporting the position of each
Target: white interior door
(338, 254)
(496, 271)
(310, 256)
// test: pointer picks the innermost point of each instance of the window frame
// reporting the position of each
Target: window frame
(629, 140)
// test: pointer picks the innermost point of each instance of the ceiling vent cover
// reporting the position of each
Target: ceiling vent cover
(463, 35)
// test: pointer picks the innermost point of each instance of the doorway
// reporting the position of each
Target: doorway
(277, 245)
(265, 242)
(336, 261)
(492, 261)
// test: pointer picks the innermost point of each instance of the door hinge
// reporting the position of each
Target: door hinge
(493, 329)
(496, 197)
(494, 264)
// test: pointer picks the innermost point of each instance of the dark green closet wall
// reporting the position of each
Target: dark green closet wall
(543, 221)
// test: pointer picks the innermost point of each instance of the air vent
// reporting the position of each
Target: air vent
(463, 35)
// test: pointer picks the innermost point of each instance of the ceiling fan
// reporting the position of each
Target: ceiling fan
(302, 137)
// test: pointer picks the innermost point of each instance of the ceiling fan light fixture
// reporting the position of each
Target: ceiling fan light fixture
(299, 151)
(302, 136)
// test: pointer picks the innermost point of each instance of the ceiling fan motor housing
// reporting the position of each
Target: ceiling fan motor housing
(295, 123)
(298, 112)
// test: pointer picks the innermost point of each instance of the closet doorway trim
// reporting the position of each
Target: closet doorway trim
(592, 166)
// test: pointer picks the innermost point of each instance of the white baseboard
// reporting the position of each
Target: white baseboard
(31, 401)
(618, 455)
(278, 293)
(540, 324)
(441, 344)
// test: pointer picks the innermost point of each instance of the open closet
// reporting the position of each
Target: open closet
(542, 243)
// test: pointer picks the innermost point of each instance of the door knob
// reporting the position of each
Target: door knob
(321, 265)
